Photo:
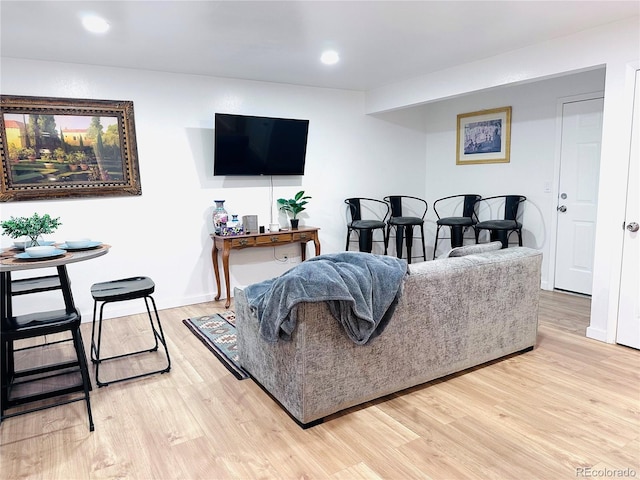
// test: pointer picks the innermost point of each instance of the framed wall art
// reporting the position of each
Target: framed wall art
(66, 147)
(484, 137)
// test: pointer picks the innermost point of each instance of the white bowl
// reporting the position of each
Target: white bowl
(78, 243)
(40, 251)
(22, 244)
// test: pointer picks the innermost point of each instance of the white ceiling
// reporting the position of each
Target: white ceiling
(379, 42)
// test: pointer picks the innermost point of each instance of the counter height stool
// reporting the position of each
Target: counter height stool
(21, 386)
(457, 224)
(376, 213)
(501, 229)
(117, 291)
(403, 222)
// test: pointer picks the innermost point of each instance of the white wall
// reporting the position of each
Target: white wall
(615, 46)
(165, 232)
(609, 44)
(533, 153)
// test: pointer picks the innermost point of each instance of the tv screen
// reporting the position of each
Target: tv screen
(248, 145)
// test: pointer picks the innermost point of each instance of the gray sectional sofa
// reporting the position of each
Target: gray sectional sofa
(454, 313)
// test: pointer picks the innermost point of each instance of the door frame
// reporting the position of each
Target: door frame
(553, 232)
(612, 328)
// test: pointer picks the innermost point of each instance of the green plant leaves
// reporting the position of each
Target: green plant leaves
(294, 205)
(31, 227)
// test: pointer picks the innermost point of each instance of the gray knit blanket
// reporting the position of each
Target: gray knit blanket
(361, 290)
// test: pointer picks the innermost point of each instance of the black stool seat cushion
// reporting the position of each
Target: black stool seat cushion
(124, 289)
(406, 221)
(367, 224)
(457, 221)
(46, 323)
(499, 225)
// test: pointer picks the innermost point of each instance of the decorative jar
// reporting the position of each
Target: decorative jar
(220, 216)
(234, 221)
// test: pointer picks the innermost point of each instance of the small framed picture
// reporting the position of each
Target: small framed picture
(484, 136)
(66, 147)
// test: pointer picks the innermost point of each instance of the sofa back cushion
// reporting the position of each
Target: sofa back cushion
(474, 249)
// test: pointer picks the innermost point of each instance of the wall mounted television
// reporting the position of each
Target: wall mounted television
(249, 145)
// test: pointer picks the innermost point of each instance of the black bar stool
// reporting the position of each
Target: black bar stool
(403, 224)
(457, 224)
(17, 386)
(117, 291)
(501, 229)
(360, 207)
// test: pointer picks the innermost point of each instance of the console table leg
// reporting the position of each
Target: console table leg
(225, 269)
(214, 258)
(316, 242)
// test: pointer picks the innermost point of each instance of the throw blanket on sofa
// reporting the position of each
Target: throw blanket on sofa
(361, 290)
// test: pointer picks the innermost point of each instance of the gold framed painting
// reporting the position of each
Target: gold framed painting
(484, 137)
(65, 147)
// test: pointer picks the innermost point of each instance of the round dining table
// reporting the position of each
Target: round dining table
(11, 260)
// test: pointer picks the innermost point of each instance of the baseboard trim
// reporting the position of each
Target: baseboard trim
(597, 334)
(124, 309)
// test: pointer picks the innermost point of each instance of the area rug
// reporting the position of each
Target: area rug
(218, 333)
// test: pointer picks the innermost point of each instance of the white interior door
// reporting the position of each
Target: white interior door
(578, 194)
(628, 332)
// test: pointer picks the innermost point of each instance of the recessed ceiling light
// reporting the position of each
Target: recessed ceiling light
(329, 57)
(95, 24)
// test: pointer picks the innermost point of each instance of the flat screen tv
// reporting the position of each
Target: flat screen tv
(248, 145)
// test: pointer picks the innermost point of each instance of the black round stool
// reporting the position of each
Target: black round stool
(117, 291)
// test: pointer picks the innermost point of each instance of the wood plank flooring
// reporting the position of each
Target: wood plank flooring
(568, 409)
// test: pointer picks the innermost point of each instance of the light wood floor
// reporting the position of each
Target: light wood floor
(568, 409)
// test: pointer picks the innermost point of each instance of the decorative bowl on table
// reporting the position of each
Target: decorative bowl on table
(21, 245)
(40, 251)
(78, 243)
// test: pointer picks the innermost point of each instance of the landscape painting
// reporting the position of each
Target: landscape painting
(484, 136)
(54, 148)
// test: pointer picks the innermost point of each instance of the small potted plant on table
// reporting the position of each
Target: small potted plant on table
(31, 227)
(294, 206)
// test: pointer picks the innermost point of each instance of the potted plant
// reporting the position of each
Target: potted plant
(294, 206)
(60, 155)
(73, 161)
(30, 153)
(81, 159)
(31, 227)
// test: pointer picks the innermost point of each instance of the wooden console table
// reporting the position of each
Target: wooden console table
(270, 239)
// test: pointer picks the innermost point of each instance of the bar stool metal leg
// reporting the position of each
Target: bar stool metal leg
(156, 328)
(84, 369)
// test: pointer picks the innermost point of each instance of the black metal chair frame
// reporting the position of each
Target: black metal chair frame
(403, 225)
(117, 291)
(36, 325)
(501, 229)
(458, 225)
(365, 228)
